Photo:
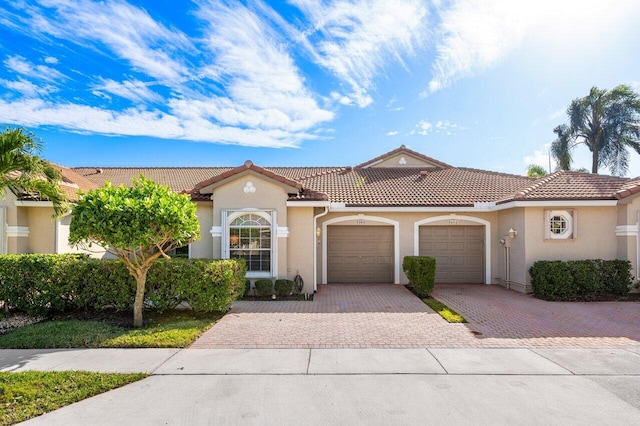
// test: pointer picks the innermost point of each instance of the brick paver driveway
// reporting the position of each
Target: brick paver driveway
(389, 316)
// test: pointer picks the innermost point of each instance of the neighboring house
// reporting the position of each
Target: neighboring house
(355, 224)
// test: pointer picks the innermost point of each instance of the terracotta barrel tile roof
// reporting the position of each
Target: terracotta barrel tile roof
(384, 186)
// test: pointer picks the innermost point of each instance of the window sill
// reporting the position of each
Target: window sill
(258, 275)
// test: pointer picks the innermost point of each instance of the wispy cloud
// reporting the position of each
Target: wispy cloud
(21, 65)
(28, 89)
(127, 31)
(134, 90)
(424, 127)
(356, 39)
(265, 88)
(393, 133)
(475, 34)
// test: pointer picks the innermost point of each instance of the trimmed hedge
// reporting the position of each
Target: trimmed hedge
(579, 279)
(263, 287)
(421, 271)
(41, 283)
(283, 287)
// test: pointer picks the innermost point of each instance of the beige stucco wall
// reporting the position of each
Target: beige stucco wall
(42, 230)
(268, 195)
(300, 245)
(203, 248)
(508, 219)
(15, 216)
(410, 162)
(596, 236)
(628, 210)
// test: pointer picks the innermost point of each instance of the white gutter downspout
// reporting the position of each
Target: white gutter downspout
(315, 248)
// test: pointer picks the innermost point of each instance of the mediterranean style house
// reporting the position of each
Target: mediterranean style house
(355, 224)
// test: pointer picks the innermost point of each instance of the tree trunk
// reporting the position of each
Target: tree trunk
(594, 161)
(138, 304)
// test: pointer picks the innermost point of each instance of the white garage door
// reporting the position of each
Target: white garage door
(360, 254)
(458, 250)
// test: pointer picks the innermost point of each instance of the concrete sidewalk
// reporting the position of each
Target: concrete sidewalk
(351, 386)
(431, 361)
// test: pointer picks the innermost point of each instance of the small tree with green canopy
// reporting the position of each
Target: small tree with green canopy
(137, 224)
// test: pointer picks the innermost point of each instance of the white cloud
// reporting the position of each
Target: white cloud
(393, 133)
(424, 127)
(265, 89)
(356, 39)
(136, 122)
(128, 31)
(557, 114)
(475, 34)
(21, 65)
(540, 158)
(28, 89)
(51, 60)
(134, 90)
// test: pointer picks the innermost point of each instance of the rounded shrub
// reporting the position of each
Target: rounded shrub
(421, 271)
(283, 287)
(264, 287)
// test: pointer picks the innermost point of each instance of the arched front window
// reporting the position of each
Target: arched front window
(250, 239)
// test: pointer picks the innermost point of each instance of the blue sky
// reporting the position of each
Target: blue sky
(473, 83)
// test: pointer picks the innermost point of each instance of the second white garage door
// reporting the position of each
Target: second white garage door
(458, 250)
(360, 254)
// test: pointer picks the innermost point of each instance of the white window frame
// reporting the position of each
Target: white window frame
(229, 215)
(570, 218)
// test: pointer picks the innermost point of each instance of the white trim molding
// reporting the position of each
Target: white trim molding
(216, 231)
(33, 203)
(627, 230)
(458, 217)
(282, 232)
(377, 220)
(478, 207)
(308, 203)
(17, 231)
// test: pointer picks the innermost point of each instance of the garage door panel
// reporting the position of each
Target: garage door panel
(458, 250)
(365, 253)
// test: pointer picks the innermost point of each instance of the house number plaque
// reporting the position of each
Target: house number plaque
(360, 221)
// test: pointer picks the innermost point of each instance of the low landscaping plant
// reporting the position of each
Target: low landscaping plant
(444, 311)
(32, 393)
(41, 284)
(421, 271)
(580, 279)
(283, 287)
(263, 287)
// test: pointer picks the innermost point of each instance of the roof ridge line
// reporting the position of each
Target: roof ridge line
(537, 184)
(326, 172)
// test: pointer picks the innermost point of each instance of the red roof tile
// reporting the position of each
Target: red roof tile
(387, 186)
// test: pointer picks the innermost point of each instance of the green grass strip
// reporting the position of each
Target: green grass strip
(444, 311)
(170, 332)
(33, 393)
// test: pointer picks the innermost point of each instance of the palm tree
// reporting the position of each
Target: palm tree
(536, 171)
(24, 173)
(607, 122)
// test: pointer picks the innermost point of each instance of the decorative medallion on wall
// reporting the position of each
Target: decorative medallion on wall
(402, 161)
(249, 188)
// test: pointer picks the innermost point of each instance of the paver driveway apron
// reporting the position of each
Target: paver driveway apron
(389, 316)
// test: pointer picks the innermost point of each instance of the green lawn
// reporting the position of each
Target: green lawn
(32, 393)
(173, 330)
(444, 311)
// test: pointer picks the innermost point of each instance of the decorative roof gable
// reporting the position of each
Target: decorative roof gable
(403, 157)
(247, 166)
